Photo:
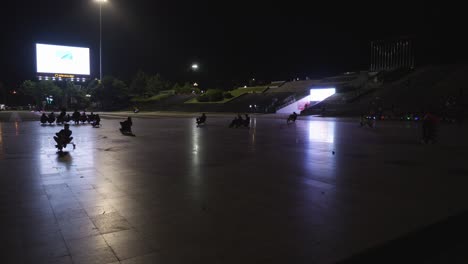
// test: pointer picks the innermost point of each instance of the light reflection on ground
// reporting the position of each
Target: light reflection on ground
(322, 131)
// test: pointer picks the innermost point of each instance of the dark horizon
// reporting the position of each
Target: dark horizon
(238, 42)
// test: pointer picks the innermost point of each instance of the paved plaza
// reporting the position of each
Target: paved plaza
(318, 191)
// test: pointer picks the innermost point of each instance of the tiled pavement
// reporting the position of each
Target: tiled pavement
(313, 192)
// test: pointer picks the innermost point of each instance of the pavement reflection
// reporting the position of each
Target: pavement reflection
(322, 131)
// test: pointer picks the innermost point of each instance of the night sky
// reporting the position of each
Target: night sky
(231, 40)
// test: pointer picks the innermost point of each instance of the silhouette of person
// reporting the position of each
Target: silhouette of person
(126, 125)
(247, 120)
(63, 137)
(201, 119)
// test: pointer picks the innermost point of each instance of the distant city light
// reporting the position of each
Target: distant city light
(195, 66)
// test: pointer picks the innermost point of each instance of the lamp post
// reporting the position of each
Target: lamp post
(194, 69)
(100, 37)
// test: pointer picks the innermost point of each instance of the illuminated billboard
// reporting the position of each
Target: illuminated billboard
(53, 59)
(318, 95)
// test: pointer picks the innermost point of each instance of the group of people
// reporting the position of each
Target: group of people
(76, 117)
(238, 121)
(63, 137)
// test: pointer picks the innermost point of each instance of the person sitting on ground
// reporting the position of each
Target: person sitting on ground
(292, 117)
(247, 120)
(126, 126)
(61, 116)
(63, 137)
(237, 121)
(51, 117)
(96, 121)
(83, 117)
(44, 118)
(67, 118)
(201, 119)
(240, 120)
(233, 122)
(91, 117)
(76, 117)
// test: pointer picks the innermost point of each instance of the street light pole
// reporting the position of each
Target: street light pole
(194, 69)
(100, 41)
(100, 37)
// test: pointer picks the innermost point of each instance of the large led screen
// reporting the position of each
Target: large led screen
(317, 95)
(62, 59)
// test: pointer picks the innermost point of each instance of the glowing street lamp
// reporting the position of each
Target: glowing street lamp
(194, 69)
(100, 36)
